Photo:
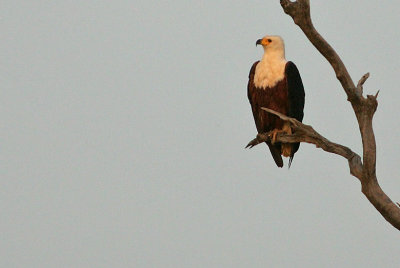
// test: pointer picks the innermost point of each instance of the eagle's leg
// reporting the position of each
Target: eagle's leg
(286, 148)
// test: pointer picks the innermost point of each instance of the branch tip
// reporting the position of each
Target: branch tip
(362, 80)
(281, 116)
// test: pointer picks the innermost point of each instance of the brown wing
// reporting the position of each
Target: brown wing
(296, 98)
(275, 98)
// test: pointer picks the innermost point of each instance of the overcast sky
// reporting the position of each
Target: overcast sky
(123, 126)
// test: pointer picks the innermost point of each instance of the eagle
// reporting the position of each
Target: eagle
(276, 84)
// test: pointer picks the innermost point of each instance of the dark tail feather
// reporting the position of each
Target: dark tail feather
(290, 161)
(276, 154)
(294, 150)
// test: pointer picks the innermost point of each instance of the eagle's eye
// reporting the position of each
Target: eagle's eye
(269, 40)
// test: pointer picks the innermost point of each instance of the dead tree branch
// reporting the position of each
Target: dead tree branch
(364, 109)
(306, 133)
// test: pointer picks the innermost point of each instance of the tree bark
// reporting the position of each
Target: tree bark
(364, 108)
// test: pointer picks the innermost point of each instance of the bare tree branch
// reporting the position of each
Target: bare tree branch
(364, 109)
(306, 133)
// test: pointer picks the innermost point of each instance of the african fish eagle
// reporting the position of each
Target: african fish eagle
(276, 84)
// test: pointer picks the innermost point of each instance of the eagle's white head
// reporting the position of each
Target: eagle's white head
(271, 68)
(272, 44)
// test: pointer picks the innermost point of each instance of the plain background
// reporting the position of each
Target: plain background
(123, 126)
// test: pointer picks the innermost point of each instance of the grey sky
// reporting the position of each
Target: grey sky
(124, 123)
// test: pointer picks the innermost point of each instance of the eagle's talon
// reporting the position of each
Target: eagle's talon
(273, 134)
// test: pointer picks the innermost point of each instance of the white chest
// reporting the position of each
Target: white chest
(269, 72)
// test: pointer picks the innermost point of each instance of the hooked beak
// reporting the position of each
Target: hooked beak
(258, 42)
